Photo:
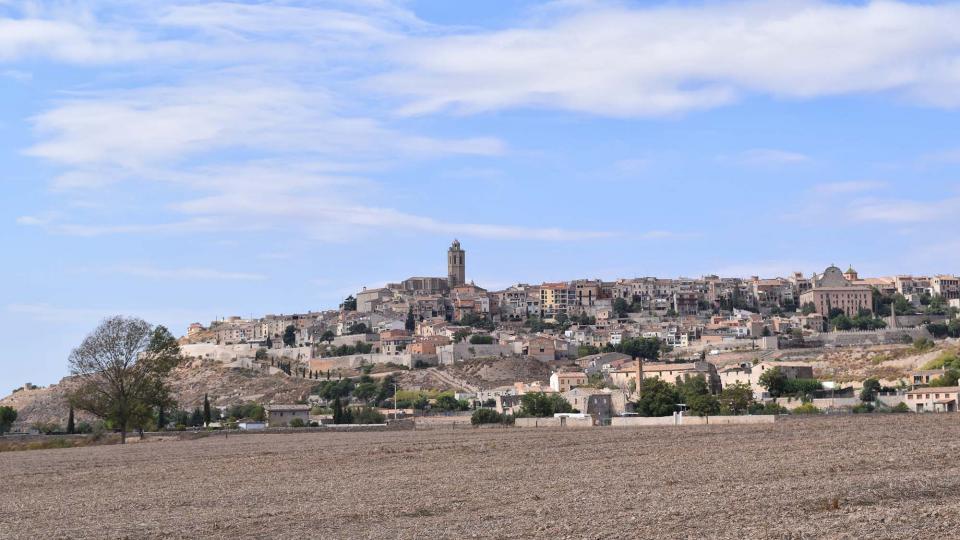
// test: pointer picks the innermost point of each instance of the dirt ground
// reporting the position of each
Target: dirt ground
(893, 476)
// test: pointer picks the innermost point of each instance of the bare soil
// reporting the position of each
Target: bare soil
(892, 476)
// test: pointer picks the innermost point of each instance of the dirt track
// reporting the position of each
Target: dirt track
(878, 477)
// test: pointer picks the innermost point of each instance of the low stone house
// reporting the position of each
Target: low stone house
(282, 415)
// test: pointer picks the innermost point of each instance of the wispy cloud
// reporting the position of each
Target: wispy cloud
(191, 274)
(663, 59)
(858, 186)
(905, 211)
(770, 156)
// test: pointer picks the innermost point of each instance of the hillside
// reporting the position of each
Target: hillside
(225, 386)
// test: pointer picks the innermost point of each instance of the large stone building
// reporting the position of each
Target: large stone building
(833, 290)
(456, 265)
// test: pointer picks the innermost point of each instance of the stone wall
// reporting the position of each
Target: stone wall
(684, 420)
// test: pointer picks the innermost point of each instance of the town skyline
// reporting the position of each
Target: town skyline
(458, 273)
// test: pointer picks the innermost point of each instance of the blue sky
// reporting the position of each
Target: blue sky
(185, 160)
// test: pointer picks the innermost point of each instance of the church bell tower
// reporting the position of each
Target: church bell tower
(456, 265)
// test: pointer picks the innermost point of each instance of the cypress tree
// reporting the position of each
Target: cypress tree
(337, 411)
(206, 410)
(71, 428)
(161, 418)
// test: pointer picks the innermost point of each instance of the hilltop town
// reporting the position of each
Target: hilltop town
(835, 341)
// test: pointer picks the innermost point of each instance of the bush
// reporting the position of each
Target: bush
(900, 408)
(923, 344)
(946, 359)
(481, 339)
(297, 423)
(807, 408)
(367, 415)
(863, 408)
(767, 408)
(486, 416)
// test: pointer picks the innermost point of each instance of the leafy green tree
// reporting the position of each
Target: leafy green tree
(586, 350)
(71, 427)
(357, 328)
(446, 402)
(841, 322)
(328, 336)
(8, 415)
(736, 399)
(460, 335)
(621, 308)
(949, 378)
(774, 381)
(411, 323)
(365, 391)
(870, 388)
(289, 336)
(350, 304)
(196, 419)
(539, 404)
(695, 392)
(481, 339)
(657, 398)
(807, 308)
(648, 348)
(120, 369)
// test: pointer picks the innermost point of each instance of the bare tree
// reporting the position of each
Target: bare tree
(121, 369)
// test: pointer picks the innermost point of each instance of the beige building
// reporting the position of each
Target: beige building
(282, 415)
(590, 401)
(933, 399)
(562, 381)
(556, 298)
(833, 290)
(667, 372)
(946, 286)
(750, 374)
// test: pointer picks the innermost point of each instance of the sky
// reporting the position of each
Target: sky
(183, 161)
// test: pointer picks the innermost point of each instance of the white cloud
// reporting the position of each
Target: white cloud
(17, 75)
(905, 211)
(614, 60)
(133, 129)
(770, 156)
(857, 186)
(190, 274)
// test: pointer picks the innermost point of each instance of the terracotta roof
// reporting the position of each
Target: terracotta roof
(936, 390)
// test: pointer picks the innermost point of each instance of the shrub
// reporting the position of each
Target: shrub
(485, 416)
(923, 344)
(900, 408)
(367, 415)
(297, 423)
(863, 408)
(481, 339)
(946, 359)
(807, 408)
(767, 408)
